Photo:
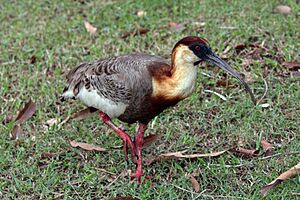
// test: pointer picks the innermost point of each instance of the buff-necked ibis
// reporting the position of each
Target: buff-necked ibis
(138, 87)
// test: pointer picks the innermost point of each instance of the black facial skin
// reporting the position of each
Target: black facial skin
(201, 51)
(204, 53)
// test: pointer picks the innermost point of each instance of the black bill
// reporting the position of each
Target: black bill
(212, 58)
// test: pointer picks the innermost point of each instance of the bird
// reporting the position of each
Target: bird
(137, 87)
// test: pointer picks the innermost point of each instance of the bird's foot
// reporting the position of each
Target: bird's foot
(132, 149)
(138, 176)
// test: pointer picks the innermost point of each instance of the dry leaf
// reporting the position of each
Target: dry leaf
(291, 173)
(26, 112)
(224, 82)
(248, 153)
(82, 114)
(23, 115)
(49, 155)
(32, 59)
(294, 65)
(240, 47)
(90, 28)
(267, 147)
(141, 31)
(179, 155)
(195, 183)
(86, 146)
(150, 139)
(16, 132)
(283, 9)
(141, 13)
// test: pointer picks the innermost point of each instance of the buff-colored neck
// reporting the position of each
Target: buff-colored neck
(184, 75)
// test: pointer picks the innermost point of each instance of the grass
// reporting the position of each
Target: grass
(53, 32)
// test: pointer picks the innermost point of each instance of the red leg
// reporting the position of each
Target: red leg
(125, 137)
(139, 142)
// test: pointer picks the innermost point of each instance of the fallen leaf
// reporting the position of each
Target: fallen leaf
(291, 173)
(294, 65)
(86, 146)
(256, 48)
(179, 155)
(90, 28)
(240, 47)
(283, 9)
(32, 59)
(16, 132)
(49, 155)
(82, 114)
(141, 13)
(141, 31)
(26, 112)
(195, 183)
(267, 147)
(150, 139)
(223, 83)
(248, 153)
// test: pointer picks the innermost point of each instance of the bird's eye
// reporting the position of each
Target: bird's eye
(197, 48)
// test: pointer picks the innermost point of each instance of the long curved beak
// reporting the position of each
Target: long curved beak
(212, 58)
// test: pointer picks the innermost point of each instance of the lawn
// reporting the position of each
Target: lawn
(42, 40)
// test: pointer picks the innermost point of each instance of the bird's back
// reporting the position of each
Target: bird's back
(119, 86)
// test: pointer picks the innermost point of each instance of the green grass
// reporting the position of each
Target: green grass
(54, 33)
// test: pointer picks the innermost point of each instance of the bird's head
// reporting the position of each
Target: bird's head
(193, 50)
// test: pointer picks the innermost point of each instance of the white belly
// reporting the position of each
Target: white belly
(92, 99)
